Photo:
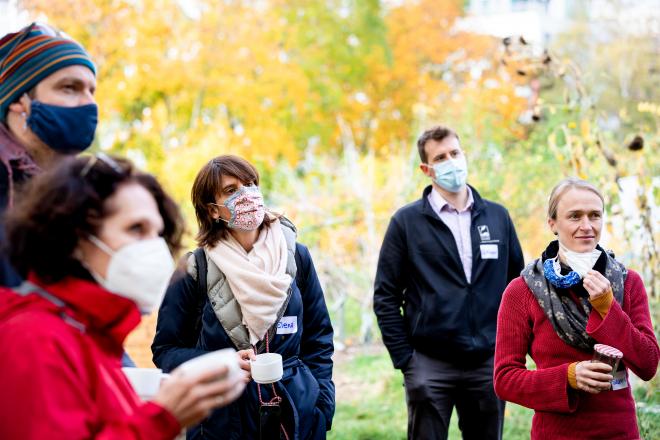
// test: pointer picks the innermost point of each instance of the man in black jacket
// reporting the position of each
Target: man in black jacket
(444, 263)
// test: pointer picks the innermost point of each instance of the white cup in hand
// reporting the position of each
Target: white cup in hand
(267, 368)
(145, 381)
(211, 361)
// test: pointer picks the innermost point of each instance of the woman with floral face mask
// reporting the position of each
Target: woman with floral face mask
(93, 239)
(577, 295)
(250, 286)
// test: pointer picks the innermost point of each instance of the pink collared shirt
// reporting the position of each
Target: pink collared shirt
(459, 223)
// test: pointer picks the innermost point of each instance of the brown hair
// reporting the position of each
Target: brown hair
(562, 187)
(437, 133)
(208, 184)
(68, 202)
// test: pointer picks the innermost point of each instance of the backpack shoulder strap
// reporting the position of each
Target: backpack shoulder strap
(26, 287)
(200, 267)
(301, 273)
(200, 271)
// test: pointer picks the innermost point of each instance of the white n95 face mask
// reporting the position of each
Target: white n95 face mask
(139, 271)
(580, 262)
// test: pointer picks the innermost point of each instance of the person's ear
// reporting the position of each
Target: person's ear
(426, 169)
(213, 211)
(77, 254)
(82, 248)
(22, 105)
(551, 223)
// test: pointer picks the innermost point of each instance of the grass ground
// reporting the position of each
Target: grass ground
(371, 403)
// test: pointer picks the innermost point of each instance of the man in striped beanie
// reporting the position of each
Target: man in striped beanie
(47, 109)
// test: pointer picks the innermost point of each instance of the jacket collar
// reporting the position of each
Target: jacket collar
(438, 202)
(427, 209)
(11, 148)
(14, 157)
(106, 316)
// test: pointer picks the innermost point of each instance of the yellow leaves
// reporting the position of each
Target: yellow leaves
(585, 129)
(623, 113)
(276, 71)
(552, 143)
(646, 107)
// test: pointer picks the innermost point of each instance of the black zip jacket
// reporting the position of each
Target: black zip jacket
(420, 272)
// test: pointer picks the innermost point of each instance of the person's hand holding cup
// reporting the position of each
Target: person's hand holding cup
(244, 361)
(596, 375)
(593, 377)
(202, 384)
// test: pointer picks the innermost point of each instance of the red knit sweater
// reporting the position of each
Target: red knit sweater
(560, 411)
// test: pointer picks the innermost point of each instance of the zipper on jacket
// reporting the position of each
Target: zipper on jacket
(470, 305)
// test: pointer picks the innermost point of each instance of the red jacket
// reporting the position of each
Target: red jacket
(58, 382)
(560, 411)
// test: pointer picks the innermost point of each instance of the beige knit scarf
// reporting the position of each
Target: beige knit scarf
(258, 278)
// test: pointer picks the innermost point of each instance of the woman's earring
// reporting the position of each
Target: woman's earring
(24, 120)
(555, 232)
(217, 220)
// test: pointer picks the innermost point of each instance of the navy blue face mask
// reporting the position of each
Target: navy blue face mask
(64, 129)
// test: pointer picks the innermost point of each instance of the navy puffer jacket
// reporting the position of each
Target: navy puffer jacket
(307, 389)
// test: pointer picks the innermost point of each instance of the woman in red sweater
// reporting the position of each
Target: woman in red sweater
(573, 297)
(93, 236)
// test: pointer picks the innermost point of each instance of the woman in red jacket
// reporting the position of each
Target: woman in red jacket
(573, 297)
(94, 238)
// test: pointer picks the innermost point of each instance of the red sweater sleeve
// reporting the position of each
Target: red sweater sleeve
(542, 390)
(632, 332)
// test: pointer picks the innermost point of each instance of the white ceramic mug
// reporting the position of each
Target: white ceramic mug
(145, 381)
(210, 361)
(267, 368)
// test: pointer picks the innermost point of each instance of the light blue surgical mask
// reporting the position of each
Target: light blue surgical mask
(451, 174)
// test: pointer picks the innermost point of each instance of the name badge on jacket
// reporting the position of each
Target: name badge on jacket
(489, 252)
(619, 380)
(287, 325)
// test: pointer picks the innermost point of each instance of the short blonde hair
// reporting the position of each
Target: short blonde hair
(562, 187)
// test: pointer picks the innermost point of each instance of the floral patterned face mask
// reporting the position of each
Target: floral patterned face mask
(246, 208)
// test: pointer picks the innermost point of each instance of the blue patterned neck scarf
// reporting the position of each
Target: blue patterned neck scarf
(569, 318)
(552, 273)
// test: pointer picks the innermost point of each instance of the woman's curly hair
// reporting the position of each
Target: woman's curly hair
(55, 209)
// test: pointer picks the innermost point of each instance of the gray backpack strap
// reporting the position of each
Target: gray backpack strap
(27, 288)
(196, 268)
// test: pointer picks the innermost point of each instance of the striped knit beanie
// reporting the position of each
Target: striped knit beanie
(27, 58)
